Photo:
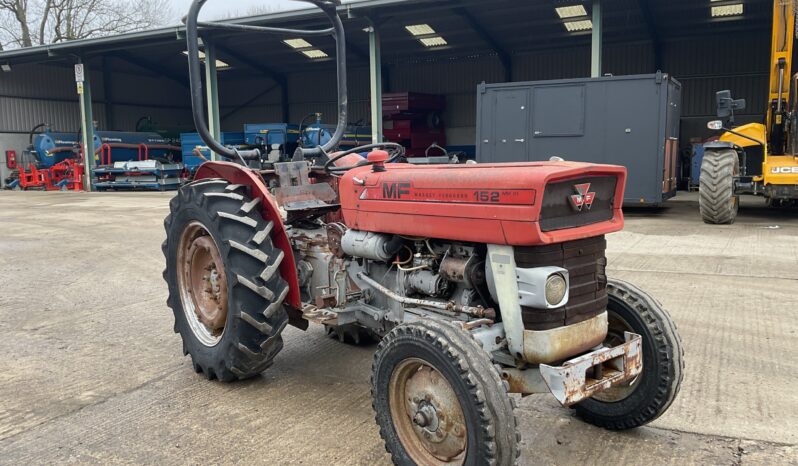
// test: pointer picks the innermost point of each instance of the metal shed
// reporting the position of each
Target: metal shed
(144, 74)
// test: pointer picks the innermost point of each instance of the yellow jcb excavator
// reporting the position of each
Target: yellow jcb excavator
(756, 158)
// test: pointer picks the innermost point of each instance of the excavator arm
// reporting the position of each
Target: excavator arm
(780, 73)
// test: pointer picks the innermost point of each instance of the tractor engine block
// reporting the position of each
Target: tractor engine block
(332, 260)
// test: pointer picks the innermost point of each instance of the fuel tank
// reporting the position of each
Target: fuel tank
(52, 148)
(517, 204)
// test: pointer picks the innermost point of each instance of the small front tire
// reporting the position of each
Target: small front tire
(439, 400)
(650, 394)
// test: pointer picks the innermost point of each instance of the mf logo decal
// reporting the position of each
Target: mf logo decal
(784, 170)
(395, 190)
(583, 199)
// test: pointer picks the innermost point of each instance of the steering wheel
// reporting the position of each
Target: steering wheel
(398, 151)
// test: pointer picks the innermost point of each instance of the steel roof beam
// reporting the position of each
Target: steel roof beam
(275, 75)
(153, 67)
(653, 29)
(504, 57)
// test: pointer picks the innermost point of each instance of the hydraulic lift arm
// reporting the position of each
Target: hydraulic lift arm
(780, 72)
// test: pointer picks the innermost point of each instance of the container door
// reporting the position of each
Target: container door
(672, 166)
(559, 115)
(510, 126)
(634, 136)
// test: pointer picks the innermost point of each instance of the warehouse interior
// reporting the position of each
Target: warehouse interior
(596, 264)
(263, 79)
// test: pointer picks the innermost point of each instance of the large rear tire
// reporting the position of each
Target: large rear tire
(439, 400)
(225, 288)
(717, 200)
(651, 393)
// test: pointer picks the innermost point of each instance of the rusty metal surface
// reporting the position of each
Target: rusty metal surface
(202, 283)
(468, 270)
(335, 231)
(526, 381)
(547, 346)
(208, 285)
(577, 379)
(298, 195)
(427, 414)
(449, 306)
(319, 316)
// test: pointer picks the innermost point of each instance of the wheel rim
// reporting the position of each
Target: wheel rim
(427, 415)
(615, 336)
(202, 283)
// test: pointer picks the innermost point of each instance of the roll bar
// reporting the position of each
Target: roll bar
(192, 41)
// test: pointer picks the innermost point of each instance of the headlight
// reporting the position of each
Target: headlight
(556, 287)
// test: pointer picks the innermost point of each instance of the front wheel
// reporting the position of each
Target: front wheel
(439, 400)
(651, 393)
(716, 198)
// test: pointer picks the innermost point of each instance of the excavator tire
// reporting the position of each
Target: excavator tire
(717, 200)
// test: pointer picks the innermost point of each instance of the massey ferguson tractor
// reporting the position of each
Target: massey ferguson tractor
(480, 281)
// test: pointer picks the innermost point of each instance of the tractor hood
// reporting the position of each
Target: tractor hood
(515, 204)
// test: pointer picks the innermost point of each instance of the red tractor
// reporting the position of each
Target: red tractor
(478, 280)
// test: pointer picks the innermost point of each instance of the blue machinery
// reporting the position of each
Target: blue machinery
(277, 141)
(145, 160)
(123, 160)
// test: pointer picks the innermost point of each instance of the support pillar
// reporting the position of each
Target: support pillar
(375, 79)
(596, 46)
(87, 125)
(212, 91)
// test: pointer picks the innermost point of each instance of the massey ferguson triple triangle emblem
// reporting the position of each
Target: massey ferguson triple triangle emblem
(583, 197)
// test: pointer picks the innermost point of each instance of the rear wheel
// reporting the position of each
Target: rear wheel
(439, 400)
(225, 288)
(717, 200)
(651, 393)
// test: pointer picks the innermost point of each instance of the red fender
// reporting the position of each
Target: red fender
(237, 174)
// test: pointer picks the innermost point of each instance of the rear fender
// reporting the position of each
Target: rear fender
(236, 174)
(720, 145)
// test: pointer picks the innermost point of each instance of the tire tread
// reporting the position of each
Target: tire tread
(255, 299)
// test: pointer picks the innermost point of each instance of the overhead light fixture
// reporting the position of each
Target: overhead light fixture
(572, 11)
(581, 25)
(735, 9)
(315, 54)
(220, 65)
(298, 43)
(5, 67)
(426, 35)
(306, 48)
(434, 41)
(420, 29)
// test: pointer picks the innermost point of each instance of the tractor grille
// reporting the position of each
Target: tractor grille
(558, 213)
(586, 264)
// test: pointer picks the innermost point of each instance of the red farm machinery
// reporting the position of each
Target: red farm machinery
(478, 280)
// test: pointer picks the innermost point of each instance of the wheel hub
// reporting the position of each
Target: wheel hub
(203, 284)
(427, 414)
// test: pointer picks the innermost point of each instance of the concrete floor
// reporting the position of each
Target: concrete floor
(92, 373)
